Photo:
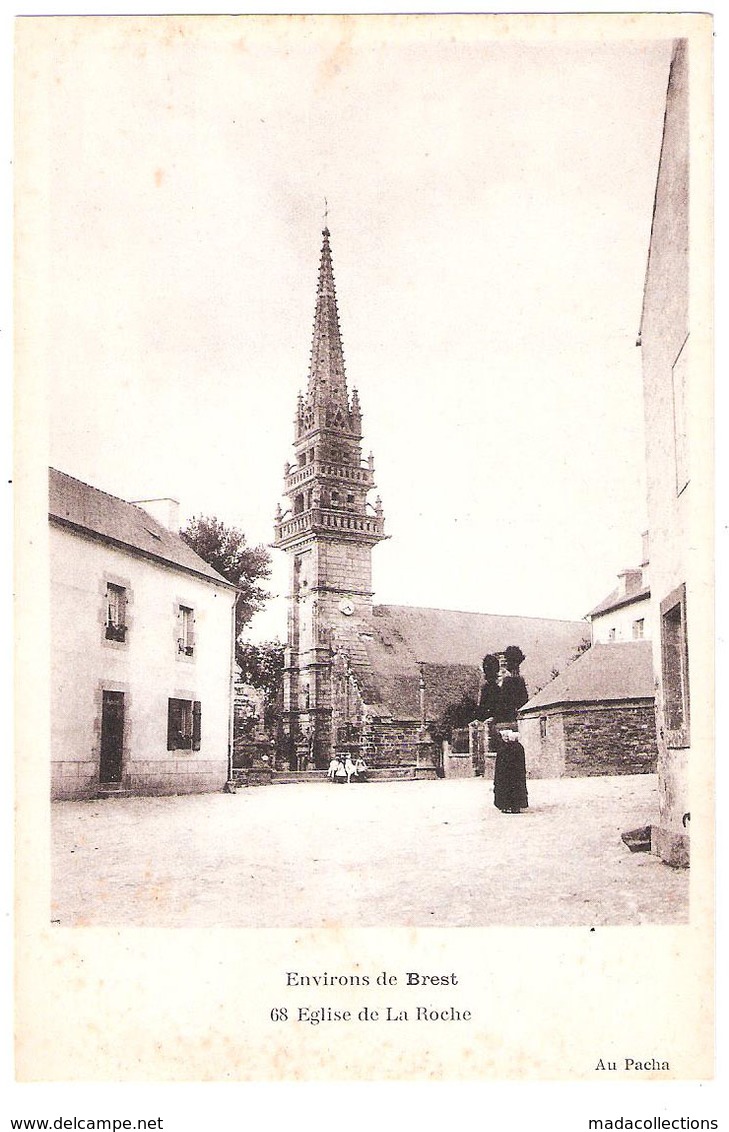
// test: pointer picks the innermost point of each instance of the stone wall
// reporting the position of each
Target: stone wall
(610, 740)
(390, 744)
(615, 738)
(542, 737)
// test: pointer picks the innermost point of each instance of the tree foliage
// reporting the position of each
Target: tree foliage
(454, 716)
(225, 549)
(262, 666)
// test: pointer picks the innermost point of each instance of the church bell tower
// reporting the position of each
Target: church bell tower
(328, 530)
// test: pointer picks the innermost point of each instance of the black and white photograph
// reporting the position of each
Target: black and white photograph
(364, 363)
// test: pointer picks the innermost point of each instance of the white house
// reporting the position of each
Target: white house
(624, 615)
(678, 430)
(141, 650)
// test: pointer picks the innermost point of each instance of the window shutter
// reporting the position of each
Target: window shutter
(196, 725)
(171, 725)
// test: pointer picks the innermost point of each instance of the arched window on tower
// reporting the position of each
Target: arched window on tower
(298, 504)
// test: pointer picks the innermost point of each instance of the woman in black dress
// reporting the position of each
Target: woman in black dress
(510, 788)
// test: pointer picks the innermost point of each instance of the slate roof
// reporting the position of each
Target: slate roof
(450, 646)
(89, 511)
(615, 600)
(618, 670)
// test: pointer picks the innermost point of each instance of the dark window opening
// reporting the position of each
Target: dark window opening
(116, 606)
(186, 639)
(183, 725)
(674, 657)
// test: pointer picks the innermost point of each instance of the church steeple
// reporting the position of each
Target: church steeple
(328, 484)
(327, 529)
(327, 403)
(326, 371)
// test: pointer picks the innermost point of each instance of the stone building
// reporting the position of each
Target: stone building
(357, 674)
(141, 650)
(678, 465)
(596, 717)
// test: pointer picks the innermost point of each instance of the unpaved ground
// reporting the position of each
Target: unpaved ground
(395, 854)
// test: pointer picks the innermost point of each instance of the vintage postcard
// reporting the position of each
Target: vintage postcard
(364, 548)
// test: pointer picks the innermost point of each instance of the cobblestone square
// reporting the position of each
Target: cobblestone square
(394, 854)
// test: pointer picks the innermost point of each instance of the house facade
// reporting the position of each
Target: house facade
(678, 429)
(141, 647)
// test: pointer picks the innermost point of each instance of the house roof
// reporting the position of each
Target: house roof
(616, 600)
(618, 670)
(75, 504)
(450, 645)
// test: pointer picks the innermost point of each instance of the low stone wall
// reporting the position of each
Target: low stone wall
(457, 764)
(610, 740)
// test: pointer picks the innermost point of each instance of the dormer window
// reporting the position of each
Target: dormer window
(116, 607)
(186, 639)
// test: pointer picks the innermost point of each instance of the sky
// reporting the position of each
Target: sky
(489, 201)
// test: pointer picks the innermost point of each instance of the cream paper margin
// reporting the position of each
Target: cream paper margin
(150, 1005)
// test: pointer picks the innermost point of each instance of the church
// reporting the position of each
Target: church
(360, 676)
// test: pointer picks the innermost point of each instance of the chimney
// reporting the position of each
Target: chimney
(629, 582)
(165, 511)
(646, 558)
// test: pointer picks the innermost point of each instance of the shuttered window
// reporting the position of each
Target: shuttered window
(184, 725)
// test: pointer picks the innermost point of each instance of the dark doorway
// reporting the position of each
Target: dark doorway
(112, 737)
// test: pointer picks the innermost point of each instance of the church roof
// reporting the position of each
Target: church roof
(618, 670)
(448, 646)
(96, 514)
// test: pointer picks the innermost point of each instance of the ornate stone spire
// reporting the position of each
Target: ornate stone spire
(327, 485)
(327, 380)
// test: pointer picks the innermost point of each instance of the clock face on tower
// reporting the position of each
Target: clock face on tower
(346, 606)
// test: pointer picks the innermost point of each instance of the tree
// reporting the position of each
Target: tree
(262, 667)
(225, 549)
(455, 716)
